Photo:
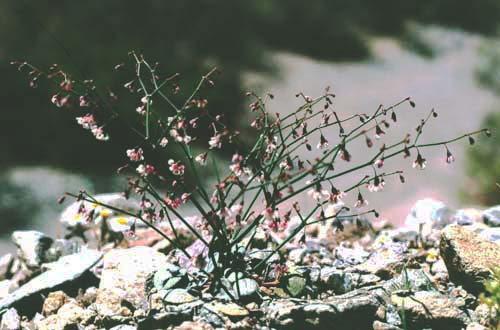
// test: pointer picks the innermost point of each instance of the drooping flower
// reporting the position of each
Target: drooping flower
(376, 185)
(420, 162)
(378, 132)
(323, 142)
(379, 162)
(369, 142)
(336, 195)
(360, 202)
(449, 156)
(345, 155)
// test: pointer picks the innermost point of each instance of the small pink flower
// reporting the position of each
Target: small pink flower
(144, 170)
(87, 121)
(66, 85)
(64, 101)
(237, 209)
(379, 162)
(99, 134)
(176, 167)
(163, 142)
(201, 159)
(83, 101)
(56, 100)
(173, 203)
(215, 141)
(185, 197)
(135, 155)
(141, 110)
(236, 158)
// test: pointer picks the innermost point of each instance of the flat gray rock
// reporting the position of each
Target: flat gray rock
(68, 274)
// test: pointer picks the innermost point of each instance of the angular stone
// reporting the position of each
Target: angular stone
(10, 320)
(386, 261)
(53, 302)
(341, 281)
(491, 216)
(426, 309)
(69, 316)
(351, 256)
(128, 269)
(69, 274)
(469, 258)
(31, 246)
(411, 280)
(108, 303)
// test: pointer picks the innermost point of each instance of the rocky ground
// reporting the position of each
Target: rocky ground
(427, 274)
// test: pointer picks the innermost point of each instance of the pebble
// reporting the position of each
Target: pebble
(178, 296)
(491, 216)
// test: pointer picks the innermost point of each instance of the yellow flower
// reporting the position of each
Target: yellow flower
(432, 255)
(105, 213)
(120, 223)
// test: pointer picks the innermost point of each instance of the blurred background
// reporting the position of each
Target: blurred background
(445, 54)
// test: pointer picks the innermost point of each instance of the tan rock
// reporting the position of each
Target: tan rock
(53, 302)
(468, 257)
(109, 303)
(68, 316)
(125, 271)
